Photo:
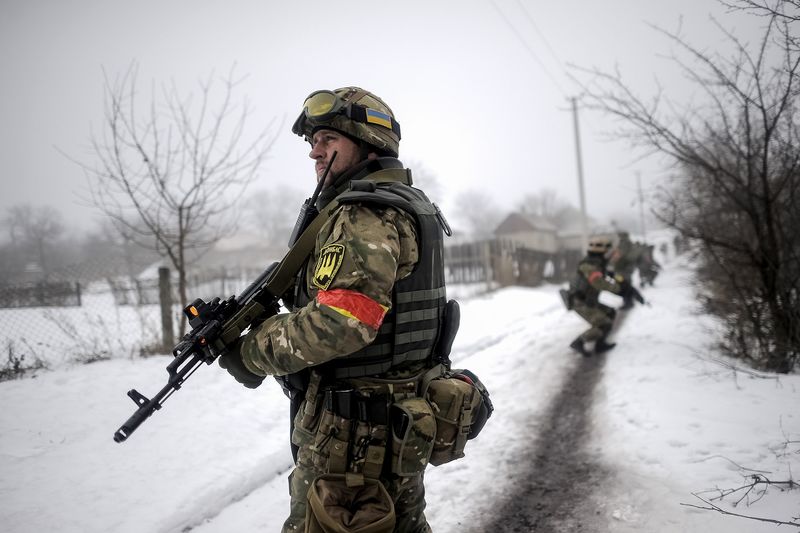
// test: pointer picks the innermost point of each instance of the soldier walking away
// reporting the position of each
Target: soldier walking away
(623, 262)
(583, 297)
(362, 342)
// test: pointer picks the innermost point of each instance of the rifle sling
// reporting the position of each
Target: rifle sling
(283, 276)
(279, 281)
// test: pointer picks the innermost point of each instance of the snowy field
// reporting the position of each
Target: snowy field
(672, 419)
(59, 336)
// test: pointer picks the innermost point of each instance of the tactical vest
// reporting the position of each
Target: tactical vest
(579, 286)
(411, 328)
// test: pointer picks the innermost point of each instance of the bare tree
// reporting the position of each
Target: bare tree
(169, 175)
(788, 10)
(274, 224)
(477, 212)
(546, 203)
(425, 179)
(735, 189)
(33, 232)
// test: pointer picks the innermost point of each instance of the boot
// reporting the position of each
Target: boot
(577, 345)
(602, 346)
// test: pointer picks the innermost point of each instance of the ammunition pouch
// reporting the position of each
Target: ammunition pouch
(461, 407)
(413, 432)
(334, 506)
(352, 405)
(342, 431)
(294, 387)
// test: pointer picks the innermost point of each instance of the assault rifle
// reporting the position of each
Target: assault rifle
(218, 324)
(216, 327)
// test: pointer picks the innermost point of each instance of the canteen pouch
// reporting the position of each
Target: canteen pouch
(335, 507)
(456, 403)
(413, 432)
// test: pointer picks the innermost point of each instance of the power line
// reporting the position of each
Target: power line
(528, 48)
(539, 32)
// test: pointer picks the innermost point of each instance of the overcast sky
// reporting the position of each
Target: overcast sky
(479, 109)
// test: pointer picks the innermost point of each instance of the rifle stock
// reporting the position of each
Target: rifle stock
(216, 327)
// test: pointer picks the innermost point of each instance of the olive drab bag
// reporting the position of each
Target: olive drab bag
(461, 406)
(336, 507)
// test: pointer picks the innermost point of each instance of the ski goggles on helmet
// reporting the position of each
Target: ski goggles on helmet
(321, 107)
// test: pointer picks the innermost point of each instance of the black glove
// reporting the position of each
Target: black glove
(232, 362)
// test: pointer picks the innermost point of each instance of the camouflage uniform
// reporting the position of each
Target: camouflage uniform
(585, 289)
(340, 306)
(623, 262)
(359, 345)
(648, 266)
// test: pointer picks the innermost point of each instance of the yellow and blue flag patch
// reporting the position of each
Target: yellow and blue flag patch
(376, 117)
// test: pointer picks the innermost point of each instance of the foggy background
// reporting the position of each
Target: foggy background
(480, 87)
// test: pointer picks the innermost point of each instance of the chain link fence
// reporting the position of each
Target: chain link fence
(48, 325)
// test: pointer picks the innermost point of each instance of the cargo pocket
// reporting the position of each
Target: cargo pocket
(413, 431)
(455, 404)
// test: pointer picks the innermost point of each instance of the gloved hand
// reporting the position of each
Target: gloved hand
(232, 362)
(624, 285)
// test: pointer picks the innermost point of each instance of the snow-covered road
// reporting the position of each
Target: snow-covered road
(667, 421)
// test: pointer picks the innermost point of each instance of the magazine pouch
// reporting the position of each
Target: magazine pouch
(413, 431)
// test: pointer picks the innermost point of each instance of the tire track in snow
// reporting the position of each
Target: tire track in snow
(554, 493)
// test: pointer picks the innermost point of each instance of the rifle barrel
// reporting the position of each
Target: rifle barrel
(149, 406)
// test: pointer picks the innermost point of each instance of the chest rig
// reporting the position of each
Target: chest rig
(412, 327)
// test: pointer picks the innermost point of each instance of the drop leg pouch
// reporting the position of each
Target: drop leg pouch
(335, 507)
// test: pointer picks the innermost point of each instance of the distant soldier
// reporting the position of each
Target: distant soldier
(583, 297)
(623, 262)
(648, 266)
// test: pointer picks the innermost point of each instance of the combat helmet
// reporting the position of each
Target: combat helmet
(599, 245)
(354, 112)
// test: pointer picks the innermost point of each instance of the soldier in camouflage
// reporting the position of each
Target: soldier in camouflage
(623, 262)
(365, 316)
(647, 264)
(584, 292)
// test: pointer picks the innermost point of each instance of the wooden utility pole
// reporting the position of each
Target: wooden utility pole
(584, 224)
(641, 204)
(165, 297)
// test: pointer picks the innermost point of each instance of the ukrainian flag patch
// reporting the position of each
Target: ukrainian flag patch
(376, 117)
